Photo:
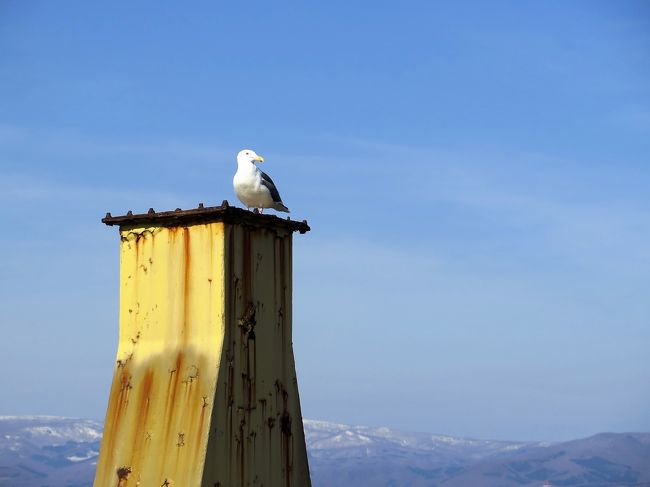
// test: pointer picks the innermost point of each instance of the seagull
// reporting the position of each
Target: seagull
(253, 187)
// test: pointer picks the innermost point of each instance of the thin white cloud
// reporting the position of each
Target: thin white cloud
(22, 188)
(567, 206)
(73, 143)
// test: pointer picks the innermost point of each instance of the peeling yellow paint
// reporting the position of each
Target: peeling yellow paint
(204, 390)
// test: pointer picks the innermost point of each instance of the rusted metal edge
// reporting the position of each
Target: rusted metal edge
(224, 213)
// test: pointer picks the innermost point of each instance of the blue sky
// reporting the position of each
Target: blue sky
(476, 176)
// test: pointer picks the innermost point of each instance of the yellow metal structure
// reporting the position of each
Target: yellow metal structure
(204, 390)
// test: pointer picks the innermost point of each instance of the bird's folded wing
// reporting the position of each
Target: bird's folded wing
(268, 182)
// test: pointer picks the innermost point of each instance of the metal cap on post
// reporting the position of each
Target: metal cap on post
(204, 390)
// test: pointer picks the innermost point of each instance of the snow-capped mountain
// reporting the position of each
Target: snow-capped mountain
(334, 440)
(359, 456)
(48, 451)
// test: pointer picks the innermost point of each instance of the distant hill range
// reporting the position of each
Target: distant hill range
(40, 451)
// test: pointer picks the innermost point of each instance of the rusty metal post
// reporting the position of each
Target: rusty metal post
(204, 390)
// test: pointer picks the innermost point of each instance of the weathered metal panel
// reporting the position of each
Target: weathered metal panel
(171, 335)
(204, 390)
(259, 438)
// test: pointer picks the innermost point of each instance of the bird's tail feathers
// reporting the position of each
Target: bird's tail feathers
(279, 206)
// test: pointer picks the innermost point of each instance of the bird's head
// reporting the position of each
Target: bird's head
(248, 155)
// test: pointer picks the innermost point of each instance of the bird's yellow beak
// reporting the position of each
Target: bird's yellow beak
(259, 158)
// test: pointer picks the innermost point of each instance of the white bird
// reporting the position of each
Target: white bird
(253, 187)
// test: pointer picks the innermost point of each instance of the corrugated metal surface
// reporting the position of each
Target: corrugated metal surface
(204, 389)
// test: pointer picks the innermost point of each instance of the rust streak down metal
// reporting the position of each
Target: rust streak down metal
(123, 475)
(204, 390)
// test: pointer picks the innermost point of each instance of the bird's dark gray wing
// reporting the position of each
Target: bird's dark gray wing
(268, 182)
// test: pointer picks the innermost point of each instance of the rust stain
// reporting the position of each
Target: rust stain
(115, 412)
(240, 452)
(209, 309)
(247, 322)
(199, 428)
(142, 416)
(186, 285)
(172, 389)
(287, 443)
(284, 304)
(246, 267)
(123, 475)
(191, 375)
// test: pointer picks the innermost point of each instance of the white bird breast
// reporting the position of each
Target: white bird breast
(249, 189)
